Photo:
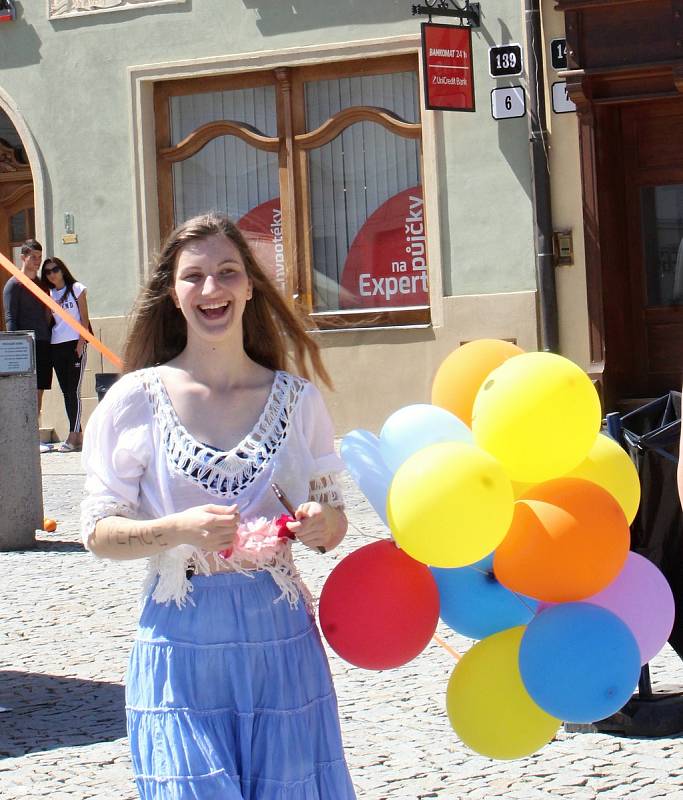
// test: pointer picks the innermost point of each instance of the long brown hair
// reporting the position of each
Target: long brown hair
(158, 331)
(69, 279)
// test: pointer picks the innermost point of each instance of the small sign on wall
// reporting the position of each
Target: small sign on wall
(562, 102)
(508, 102)
(16, 353)
(448, 74)
(505, 61)
(558, 53)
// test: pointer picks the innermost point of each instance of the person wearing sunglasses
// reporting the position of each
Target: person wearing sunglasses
(67, 346)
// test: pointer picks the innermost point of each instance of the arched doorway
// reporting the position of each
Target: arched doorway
(17, 209)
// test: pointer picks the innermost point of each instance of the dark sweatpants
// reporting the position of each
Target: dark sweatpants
(69, 370)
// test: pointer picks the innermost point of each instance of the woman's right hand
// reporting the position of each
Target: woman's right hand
(209, 527)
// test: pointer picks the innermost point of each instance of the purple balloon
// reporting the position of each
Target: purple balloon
(641, 597)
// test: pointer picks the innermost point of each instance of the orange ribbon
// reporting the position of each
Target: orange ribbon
(447, 647)
(60, 312)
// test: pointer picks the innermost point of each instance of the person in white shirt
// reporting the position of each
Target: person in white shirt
(69, 351)
(228, 690)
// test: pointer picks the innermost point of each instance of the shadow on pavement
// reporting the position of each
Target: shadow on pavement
(43, 712)
(59, 546)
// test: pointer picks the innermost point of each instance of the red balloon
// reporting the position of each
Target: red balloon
(379, 607)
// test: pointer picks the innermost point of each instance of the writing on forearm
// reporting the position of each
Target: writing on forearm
(121, 538)
(141, 537)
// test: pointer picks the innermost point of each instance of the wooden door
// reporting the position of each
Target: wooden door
(652, 147)
(17, 218)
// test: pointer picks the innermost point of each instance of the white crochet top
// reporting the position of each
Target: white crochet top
(141, 463)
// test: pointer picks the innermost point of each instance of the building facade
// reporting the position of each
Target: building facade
(402, 232)
(625, 74)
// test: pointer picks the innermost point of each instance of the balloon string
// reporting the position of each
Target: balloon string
(447, 647)
(369, 535)
(491, 575)
(524, 603)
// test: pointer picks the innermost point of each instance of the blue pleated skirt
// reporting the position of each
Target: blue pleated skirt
(232, 698)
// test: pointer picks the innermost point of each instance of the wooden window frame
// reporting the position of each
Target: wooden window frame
(292, 143)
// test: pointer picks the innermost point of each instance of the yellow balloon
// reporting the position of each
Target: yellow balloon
(608, 465)
(488, 705)
(538, 414)
(450, 504)
(520, 489)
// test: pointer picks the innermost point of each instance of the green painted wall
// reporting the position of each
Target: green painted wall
(68, 79)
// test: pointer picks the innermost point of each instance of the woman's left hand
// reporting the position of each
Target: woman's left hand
(318, 526)
(80, 347)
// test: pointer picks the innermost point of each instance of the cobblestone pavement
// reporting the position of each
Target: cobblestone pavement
(66, 621)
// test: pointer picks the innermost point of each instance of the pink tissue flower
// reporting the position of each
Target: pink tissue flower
(260, 540)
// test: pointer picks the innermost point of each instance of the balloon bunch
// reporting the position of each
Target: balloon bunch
(510, 516)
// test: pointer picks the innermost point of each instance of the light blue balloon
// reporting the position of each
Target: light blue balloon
(476, 605)
(579, 662)
(412, 428)
(360, 452)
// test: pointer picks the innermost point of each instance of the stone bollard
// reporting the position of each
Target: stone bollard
(21, 491)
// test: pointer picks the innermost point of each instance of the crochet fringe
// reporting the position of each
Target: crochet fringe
(257, 548)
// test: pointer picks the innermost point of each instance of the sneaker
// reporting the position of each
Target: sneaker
(45, 448)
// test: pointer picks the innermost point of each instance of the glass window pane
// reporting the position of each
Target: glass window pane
(662, 229)
(368, 231)
(18, 228)
(397, 92)
(254, 106)
(229, 175)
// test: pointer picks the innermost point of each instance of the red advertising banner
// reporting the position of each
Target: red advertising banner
(262, 228)
(386, 266)
(448, 73)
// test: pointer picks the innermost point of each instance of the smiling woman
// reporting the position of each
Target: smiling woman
(211, 285)
(181, 457)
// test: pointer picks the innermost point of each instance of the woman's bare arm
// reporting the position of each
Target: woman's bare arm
(85, 319)
(210, 527)
(82, 303)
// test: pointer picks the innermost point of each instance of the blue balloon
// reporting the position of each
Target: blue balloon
(360, 452)
(579, 662)
(412, 428)
(476, 605)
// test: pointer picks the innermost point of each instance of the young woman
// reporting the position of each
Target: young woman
(228, 693)
(69, 351)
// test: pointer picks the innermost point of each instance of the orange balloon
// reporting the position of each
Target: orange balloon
(569, 539)
(460, 375)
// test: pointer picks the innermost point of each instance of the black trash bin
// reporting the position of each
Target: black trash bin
(104, 381)
(651, 435)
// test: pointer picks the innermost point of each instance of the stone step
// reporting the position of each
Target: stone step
(48, 435)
